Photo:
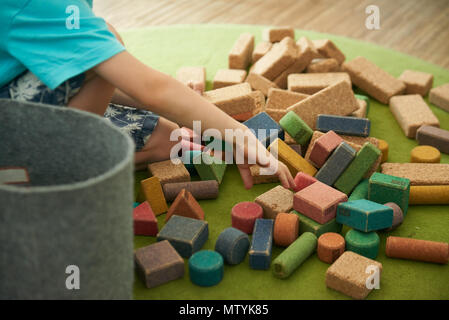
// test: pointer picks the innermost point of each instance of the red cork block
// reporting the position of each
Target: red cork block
(418, 250)
(286, 229)
(185, 205)
(303, 180)
(244, 215)
(323, 147)
(145, 223)
(318, 202)
(331, 246)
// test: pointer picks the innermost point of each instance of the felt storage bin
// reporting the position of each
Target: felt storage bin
(75, 211)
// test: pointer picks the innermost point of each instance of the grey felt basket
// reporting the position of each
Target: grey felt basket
(77, 209)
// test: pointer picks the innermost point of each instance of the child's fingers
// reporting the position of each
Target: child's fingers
(247, 178)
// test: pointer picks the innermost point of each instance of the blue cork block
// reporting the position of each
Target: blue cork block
(186, 235)
(350, 126)
(336, 164)
(360, 191)
(261, 245)
(365, 244)
(265, 128)
(206, 268)
(136, 204)
(187, 159)
(364, 215)
(364, 98)
(233, 245)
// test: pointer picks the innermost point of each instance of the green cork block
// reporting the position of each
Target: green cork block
(363, 161)
(308, 225)
(385, 188)
(295, 255)
(364, 98)
(360, 191)
(365, 244)
(209, 168)
(296, 127)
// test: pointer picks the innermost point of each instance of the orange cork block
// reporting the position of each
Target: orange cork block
(323, 65)
(419, 250)
(286, 229)
(425, 154)
(193, 77)
(328, 49)
(260, 83)
(228, 77)
(417, 82)
(438, 194)
(310, 83)
(276, 34)
(185, 205)
(241, 53)
(331, 246)
(152, 190)
(261, 49)
(169, 172)
(383, 147)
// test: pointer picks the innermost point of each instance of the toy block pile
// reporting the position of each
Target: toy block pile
(298, 98)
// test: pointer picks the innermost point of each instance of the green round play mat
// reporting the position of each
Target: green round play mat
(167, 48)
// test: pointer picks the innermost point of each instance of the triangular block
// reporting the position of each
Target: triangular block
(185, 205)
(145, 223)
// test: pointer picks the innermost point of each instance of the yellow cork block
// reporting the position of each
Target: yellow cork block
(383, 146)
(429, 194)
(425, 154)
(152, 190)
(290, 158)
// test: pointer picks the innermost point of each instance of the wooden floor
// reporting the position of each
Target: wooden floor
(416, 27)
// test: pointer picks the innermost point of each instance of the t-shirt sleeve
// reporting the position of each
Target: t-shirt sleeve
(57, 41)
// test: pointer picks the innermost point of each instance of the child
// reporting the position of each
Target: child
(58, 52)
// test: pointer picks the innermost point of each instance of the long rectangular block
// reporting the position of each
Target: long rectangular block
(323, 147)
(265, 128)
(412, 112)
(152, 191)
(261, 244)
(336, 164)
(168, 172)
(328, 49)
(419, 174)
(276, 34)
(310, 83)
(207, 189)
(275, 201)
(260, 83)
(194, 77)
(261, 49)
(429, 194)
(209, 168)
(435, 137)
(416, 82)
(375, 81)
(241, 53)
(296, 128)
(279, 100)
(323, 66)
(309, 225)
(344, 125)
(385, 188)
(363, 161)
(439, 96)
(228, 77)
(337, 99)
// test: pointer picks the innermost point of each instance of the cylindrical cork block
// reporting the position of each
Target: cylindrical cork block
(383, 147)
(429, 194)
(415, 249)
(244, 215)
(295, 255)
(365, 244)
(233, 245)
(206, 268)
(331, 246)
(398, 216)
(207, 189)
(286, 229)
(425, 154)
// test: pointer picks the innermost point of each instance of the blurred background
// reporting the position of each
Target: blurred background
(416, 27)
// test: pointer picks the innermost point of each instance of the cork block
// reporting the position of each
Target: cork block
(158, 263)
(290, 158)
(207, 189)
(435, 137)
(276, 34)
(206, 268)
(185, 205)
(296, 128)
(260, 83)
(362, 111)
(318, 202)
(261, 49)
(416, 82)
(360, 191)
(310, 83)
(385, 188)
(383, 147)
(439, 96)
(416, 249)
(323, 66)
(279, 100)
(328, 49)
(373, 80)
(344, 125)
(233, 245)
(244, 215)
(308, 225)
(193, 77)
(336, 164)
(144, 220)
(364, 98)
(265, 128)
(228, 77)
(274, 201)
(241, 53)
(209, 168)
(14, 175)
(186, 235)
(152, 191)
(286, 228)
(412, 112)
(303, 180)
(429, 194)
(349, 276)
(398, 216)
(425, 154)
(363, 161)
(323, 147)
(330, 247)
(337, 99)
(419, 174)
(363, 243)
(259, 178)
(168, 172)
(261, 245)
(364, 215)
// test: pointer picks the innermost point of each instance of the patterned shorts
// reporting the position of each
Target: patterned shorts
(138, 124)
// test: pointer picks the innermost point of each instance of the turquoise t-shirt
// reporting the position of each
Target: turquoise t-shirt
(54, 39)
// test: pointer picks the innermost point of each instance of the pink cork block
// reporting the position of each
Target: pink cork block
(318, 202)
(244, 215)
(323, 147)
(145, 223)
(303, 180)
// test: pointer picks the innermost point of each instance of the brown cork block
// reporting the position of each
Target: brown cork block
(323, 65)
(276, 34)
(274, 201)
(416, 82)
(228, 77)
(308, 48)
(435, 137)
(412, 112)
(331, 246)
(429, 195)
(419, 250)
(375, 81)
(203, 189)
(241, 53)
(310, 83)
(328, 49)
(194, 77)
(419, 174)
(337, 99)
(362, 110)
(168, 172)
(286, 229)
(152, 190)
(279, 100)
(348, 274)
(262, 178)
(260, 83)
(439, 96)
(185, 205)
(261, 49)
